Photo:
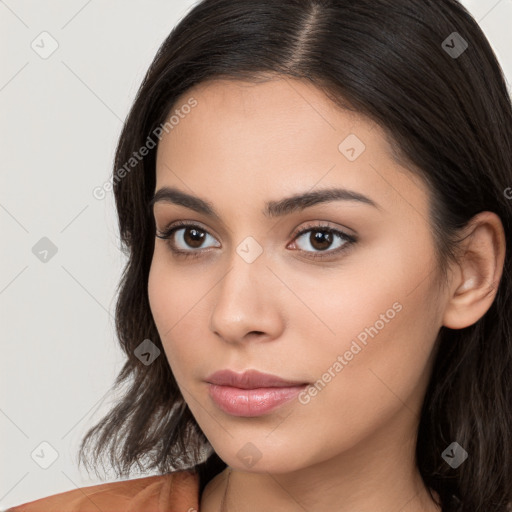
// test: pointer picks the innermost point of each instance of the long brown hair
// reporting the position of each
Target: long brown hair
(424, 71)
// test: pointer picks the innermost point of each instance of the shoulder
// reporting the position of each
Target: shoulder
(161, 493)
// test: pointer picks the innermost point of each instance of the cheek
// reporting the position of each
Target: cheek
(160, 302)
(166, 303)
(368, 376)
(178, 305)
(382, 329)
(172, 292)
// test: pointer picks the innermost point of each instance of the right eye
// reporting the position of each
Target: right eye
(192, 236)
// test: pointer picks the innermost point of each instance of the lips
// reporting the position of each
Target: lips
(251, 393)
(250, 379)
(251, 402)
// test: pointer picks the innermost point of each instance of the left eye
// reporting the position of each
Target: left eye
(320, 239)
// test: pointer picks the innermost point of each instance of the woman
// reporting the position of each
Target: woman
(315, 198)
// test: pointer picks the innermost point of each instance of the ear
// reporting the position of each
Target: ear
(478, 273)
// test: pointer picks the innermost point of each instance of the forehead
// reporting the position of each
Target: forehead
(280, 135)
(275, 104)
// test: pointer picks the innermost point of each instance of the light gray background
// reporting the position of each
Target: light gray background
(60, 120)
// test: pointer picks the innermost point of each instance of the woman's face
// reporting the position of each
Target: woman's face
(358, 323)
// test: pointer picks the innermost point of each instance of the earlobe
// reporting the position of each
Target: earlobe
(478, 272)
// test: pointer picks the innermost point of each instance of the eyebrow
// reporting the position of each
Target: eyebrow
(280, 208)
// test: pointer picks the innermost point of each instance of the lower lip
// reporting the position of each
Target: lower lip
(251, 402)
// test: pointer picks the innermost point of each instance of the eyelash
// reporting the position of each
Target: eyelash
(349, 240)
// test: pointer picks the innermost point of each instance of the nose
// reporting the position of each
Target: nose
(247, 302)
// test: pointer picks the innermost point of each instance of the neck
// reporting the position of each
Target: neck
(376, 476)
(279, 492)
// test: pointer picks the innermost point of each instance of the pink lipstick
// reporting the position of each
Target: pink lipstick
(251, 393)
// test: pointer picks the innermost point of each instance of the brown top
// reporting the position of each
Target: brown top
(174, 492)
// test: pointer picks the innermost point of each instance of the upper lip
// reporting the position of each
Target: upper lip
(250, 379)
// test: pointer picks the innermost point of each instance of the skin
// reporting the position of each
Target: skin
(289, 315)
